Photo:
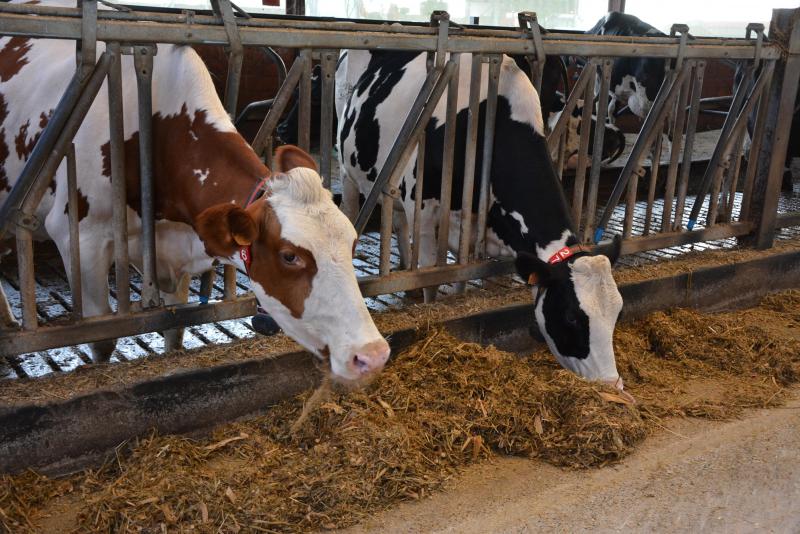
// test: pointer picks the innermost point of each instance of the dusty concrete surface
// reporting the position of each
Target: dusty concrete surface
(700, 476)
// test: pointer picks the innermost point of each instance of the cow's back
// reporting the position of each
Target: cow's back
(33, 76)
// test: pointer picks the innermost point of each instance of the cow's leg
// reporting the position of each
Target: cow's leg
(427, 242)
(401, 229)
(173, 339)
(95, 262)
(6, 315)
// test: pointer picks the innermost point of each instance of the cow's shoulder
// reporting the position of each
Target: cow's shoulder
(516, 87)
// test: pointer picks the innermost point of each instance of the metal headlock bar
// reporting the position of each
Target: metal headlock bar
(529, 23)
(767, 90)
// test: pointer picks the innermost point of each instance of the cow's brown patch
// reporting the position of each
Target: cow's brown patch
(83, 206)
(12, 57)
(291, 285)
(182, 144)
(23, 144)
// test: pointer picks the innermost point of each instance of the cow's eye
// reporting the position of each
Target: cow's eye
(289, 258)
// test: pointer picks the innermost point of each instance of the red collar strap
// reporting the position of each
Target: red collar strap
(245, 253)
(561, 254)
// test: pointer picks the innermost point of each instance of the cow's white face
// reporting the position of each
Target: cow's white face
(577, 305)
(302, 273)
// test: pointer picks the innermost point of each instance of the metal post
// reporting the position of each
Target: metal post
(691, 130)
(27, 283)
(772, 154)
(418, 187)
(448, 155)
(597, 149)
(118, 186)
(224, 10)
(488, 151)
(86, 46)
(304, 114)
(655, 165)
(630, 204)
(229, 282)
(470, 154)
(327, 74)
(387, 218)
(529, 23)
(143, 63)
(207, 285)
(583, 154)
(74, 236)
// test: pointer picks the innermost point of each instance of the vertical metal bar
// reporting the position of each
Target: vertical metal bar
(207, 285)
(755, 148)
(675, 149)
(229, 282)
(448, 155)
(630, 206)
(597, 150)
(713, 204)
(387, 216)
(86, 46)
(562, 150)
(27, 283)
(470, 156)
(488, 150)
(734, 179)
(143, 62)
(655, 165)
(74, 236)
(118, 189)
(688, 149)
(327, 73)
(772, 156)
(418, 188)
(583, 154)
(304, 114)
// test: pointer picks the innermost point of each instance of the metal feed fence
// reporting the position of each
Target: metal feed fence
(768, 88)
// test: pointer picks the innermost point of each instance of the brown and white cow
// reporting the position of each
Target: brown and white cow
(301, 244)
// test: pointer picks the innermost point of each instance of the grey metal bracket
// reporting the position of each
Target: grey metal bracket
(130, 49)
(441, 20)
(224, 9)
(758, 28)
(28, 221)
(683, 30)
(86, 46)
(530, 23)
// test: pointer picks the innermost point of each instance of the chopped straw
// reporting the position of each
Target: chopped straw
(440, 406)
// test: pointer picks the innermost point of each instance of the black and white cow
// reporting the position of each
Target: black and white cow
(551, 99)
(577, 300)
(634, 80)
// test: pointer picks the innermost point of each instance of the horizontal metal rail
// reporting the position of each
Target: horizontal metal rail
(65, 23)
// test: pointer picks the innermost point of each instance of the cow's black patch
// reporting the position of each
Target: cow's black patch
(564, 320)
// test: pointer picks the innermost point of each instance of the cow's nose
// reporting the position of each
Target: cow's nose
(371, 357)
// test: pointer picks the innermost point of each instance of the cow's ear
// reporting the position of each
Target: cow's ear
(533, 270)
(225, 228)
(288, 157)
(611, 250)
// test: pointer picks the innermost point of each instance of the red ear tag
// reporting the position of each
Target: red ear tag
(247, 257)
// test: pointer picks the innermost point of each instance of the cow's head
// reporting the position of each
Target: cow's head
(301, 270)
(613, 138)
(576, 306)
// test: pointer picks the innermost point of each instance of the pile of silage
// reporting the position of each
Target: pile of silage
(441, 405)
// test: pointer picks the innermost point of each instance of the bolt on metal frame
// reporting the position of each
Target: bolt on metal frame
(676, 110)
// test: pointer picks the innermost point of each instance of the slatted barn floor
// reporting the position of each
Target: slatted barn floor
(54, 301)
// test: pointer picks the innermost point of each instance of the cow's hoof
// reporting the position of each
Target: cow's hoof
(173, 339)
(264, 324)
(102, 350)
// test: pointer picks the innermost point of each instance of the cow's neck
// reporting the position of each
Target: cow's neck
(532, 213)
(195, 166)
